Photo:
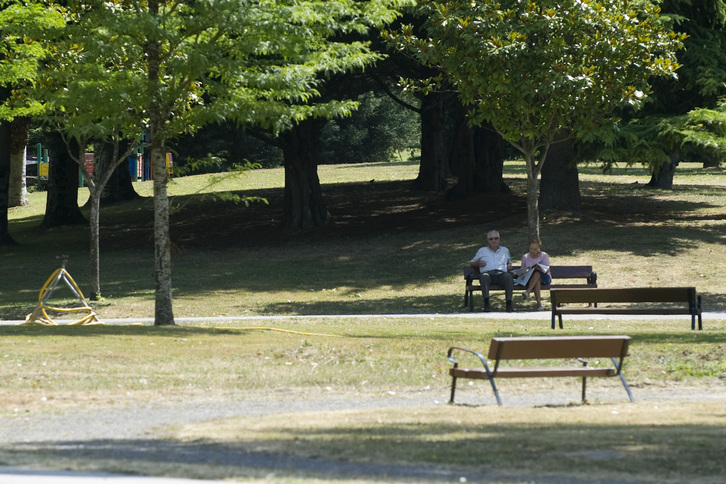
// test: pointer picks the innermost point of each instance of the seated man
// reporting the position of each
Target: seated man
(494, 263)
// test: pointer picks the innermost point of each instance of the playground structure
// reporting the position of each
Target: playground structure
(38, 167)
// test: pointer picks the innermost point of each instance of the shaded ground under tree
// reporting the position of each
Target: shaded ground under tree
(361, 210)
(358, 210)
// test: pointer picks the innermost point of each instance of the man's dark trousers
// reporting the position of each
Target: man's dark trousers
(499, 278)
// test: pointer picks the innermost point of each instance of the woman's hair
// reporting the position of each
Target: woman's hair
(536, 241)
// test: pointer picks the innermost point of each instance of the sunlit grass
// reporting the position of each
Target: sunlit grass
(52, 370)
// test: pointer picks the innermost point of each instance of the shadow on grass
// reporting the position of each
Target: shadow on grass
(387, 237)
(416, 452)
(394, 305)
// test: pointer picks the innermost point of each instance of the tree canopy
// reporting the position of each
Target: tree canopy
(534, 70)
(683, 117)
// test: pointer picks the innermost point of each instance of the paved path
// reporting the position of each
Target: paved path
(532, 315)
(19, 475)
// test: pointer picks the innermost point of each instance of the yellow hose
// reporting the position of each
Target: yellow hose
(265, 328)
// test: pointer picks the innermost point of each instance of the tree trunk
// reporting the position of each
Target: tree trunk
(95, 248)
(489, 155)
(61, 207)
(560, 185)
(163, 312)
(119, 187)
(19, 129)
(479, 156)
(534, 168)
(663, 178)
(105, 161)
(5, 238)
(532, 203)
(462, 156)
(432, 171)
(304, 206)
(711, 160)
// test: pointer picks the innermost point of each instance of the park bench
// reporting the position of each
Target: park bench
(682, 300)
(530, 348)
(562, 276)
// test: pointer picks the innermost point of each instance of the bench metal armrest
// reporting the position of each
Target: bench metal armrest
(475, 353)
(483, 362)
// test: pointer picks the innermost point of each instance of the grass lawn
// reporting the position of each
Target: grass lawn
(391, 252)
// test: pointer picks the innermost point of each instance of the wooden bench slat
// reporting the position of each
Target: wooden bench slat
(558, 347)
(534, 372)
(634, 311)
(626, 295)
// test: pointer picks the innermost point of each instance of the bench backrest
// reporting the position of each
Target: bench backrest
(557, 272)
(520, 348)
(570, 272)
(624, 295)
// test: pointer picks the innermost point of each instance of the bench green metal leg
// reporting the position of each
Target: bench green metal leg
(622, 379)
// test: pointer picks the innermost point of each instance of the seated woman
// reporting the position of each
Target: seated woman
(534, 285)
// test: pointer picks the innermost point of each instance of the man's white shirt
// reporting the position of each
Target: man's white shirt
(494, 260)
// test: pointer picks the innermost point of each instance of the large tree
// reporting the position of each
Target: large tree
(177, 65)
(533, 69)
(91, 96)
(23, 24)
(683, 118)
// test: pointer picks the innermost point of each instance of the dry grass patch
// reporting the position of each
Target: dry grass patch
(645, 442)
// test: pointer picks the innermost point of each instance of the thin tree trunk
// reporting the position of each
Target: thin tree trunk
(18, 192)
(532, 207)
(95, 248)
(103, 169)
(534, 168)
(5, 238)
(304, 206)
(163, 313)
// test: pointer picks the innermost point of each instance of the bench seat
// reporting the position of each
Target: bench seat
(562, 277)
